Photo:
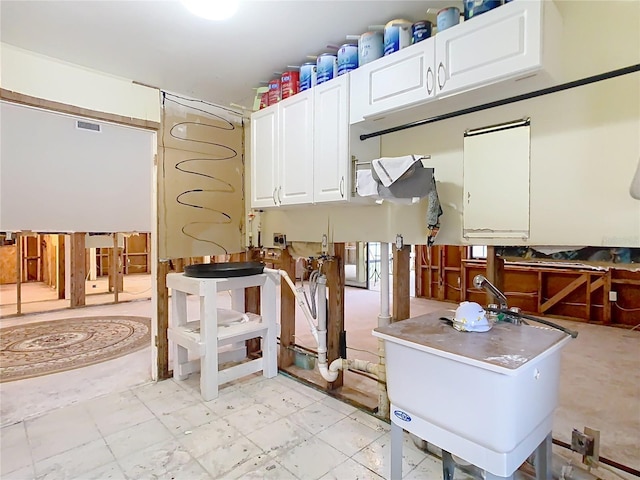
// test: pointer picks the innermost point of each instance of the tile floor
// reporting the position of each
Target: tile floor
(256, 428)
(109, 420)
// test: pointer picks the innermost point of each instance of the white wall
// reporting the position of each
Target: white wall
(584, 141)
(51, 79)
(584, 150)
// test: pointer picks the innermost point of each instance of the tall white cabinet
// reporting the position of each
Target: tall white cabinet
(295, 132)
(331, 141)
(282, 153)
(264, 158)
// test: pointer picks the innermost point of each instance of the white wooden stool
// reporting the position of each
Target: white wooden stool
(205, 336)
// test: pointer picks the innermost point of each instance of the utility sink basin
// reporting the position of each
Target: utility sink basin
(486, 397)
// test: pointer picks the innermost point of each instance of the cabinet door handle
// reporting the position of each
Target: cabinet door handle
(342, 187)
(279, 191)
(429, 80)
(444, 79)
(273, 196)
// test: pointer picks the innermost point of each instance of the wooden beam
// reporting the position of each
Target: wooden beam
(23, 99)
(60, 268)
(78, 270)
(18, 241)
(114, 267)
(287, 312)
(252, 301)
(464, 251)
(401, 294)
(597, 284)
(563, 293)
(494, 271)
(162, 307)
(606, 314)
(442, 257)
(334, 270)
(587, 301)
(417, 270)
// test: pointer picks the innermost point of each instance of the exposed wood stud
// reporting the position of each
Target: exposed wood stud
(78, 270)
(114, 267)
(18, 242)
(60, 269)
(334, 271)
(606, 314)
(563, 293)
(495, 271)
(401, 294)
(162, 307)
(287, 312)
(252, 301)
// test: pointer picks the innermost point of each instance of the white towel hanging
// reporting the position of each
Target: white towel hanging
(390, 169)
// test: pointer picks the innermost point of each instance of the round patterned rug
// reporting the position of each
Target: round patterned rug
(49, 347)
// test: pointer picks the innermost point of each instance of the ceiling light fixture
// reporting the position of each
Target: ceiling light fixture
(212, 9)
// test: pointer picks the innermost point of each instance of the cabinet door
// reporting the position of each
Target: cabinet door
(295, 126)
(496, 184)
(393, 82)
(502, 43)
(331, 141)
(264, 157)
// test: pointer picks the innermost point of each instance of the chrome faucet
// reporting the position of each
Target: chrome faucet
(480, 281)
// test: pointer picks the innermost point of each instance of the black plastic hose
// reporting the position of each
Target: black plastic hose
(572, 333)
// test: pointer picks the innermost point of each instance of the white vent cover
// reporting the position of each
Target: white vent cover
(94, 127)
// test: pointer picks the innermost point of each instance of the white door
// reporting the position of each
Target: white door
(331, 140)
(393, 82)
(264, 157)
(296, 149)
(499, 44)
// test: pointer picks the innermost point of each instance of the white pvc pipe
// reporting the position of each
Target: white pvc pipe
(384, 318)
(299, 294)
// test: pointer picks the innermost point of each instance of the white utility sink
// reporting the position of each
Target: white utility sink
(487, 398)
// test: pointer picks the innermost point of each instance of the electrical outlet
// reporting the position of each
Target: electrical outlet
(613, 296)
(594, 458)
(279, 240)
(582, 443)
(325, 243)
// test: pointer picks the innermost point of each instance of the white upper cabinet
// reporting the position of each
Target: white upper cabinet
(331, 165)
(264, 157)
(282, 153)
(296, 149)
(398, 80)
(510, 50)
(504, 43)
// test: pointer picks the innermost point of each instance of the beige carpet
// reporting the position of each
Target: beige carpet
(49, 347)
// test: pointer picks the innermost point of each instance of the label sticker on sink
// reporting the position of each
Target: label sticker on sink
(402, 415)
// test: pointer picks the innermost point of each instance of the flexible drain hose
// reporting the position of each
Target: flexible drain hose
(572, 333)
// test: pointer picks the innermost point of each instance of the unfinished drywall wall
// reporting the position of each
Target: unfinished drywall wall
(200, 179)
(47, 78)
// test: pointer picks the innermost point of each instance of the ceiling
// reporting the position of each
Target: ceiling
(160, 43)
